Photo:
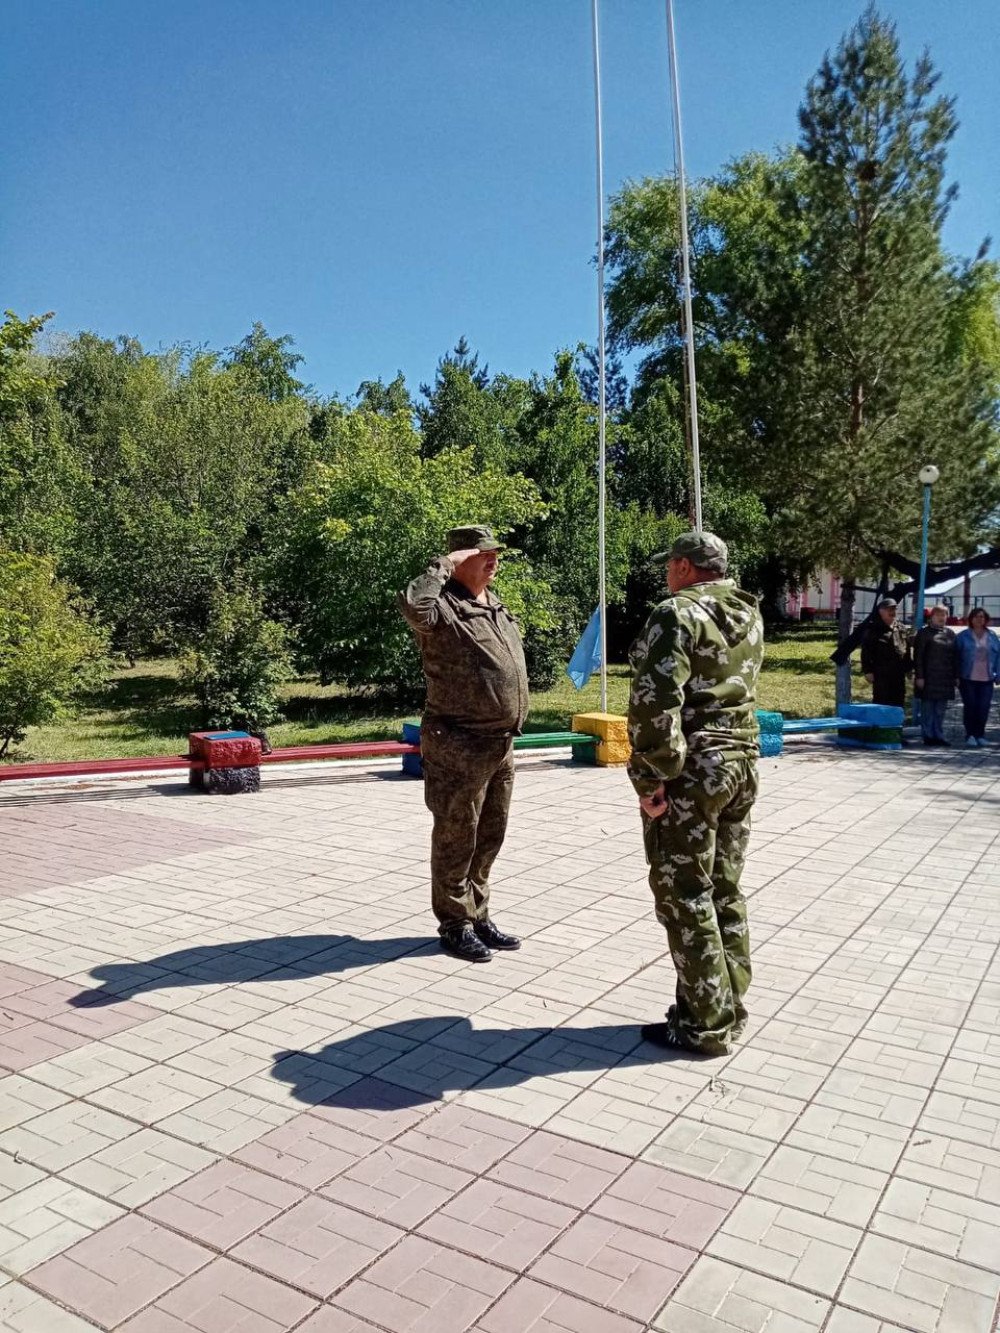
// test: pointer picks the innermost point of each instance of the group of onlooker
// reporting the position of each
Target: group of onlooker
(939, 659)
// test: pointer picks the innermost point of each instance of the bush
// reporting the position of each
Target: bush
(49, 648)
(239, 664)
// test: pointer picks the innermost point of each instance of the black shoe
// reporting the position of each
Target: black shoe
(463, 942)
(496, 939)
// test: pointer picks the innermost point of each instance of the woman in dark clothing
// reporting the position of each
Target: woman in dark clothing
(885, 656)
(935, 671)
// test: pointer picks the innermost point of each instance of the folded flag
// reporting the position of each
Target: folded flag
(586, 657)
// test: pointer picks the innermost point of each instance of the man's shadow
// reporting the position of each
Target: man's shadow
(454, 1057)
(279, 958)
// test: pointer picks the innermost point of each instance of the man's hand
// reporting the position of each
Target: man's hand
(869, 678)
(654, 806)
(458, 558)
(918, 682)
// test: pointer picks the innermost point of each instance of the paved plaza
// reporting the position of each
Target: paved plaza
(242, 1091)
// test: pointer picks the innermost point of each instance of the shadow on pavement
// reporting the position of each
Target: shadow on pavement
(278, 958)
(443, 1055)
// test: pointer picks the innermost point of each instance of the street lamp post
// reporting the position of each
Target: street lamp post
(928, 475)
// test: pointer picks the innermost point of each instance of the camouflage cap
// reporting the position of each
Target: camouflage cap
(473, 537)
(703, 549)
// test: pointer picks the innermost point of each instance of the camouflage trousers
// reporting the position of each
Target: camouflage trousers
(468, 781)
(696, 852)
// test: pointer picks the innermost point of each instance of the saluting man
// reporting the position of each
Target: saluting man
(694, 737)
(477, 700)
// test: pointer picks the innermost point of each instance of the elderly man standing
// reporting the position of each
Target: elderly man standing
(477, 700)
(694, 737)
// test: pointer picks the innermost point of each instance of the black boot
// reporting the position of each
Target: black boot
(494, 938)
(462, 941)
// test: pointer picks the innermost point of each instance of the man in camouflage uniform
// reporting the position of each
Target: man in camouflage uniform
(477, 700)
(694, 738)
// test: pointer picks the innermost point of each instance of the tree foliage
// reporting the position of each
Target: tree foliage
(49, 648)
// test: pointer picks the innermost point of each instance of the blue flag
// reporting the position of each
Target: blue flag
(586, 657)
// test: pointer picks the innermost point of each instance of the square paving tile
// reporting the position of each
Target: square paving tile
(223, 1205)
(24, 1311)
(46, 1218)
(118, 1271)
(308, 1151)
(376, 1109)
(318, 1245)
(421, 1287)
(530, 1307)
(560, 1169)
(224, 1298)
(136, 1169)
(613, 1266)
(503, 1225)
(397, 1186)
(666, 1204)
(920, 1291)
(717, 1297)
(463, 1137)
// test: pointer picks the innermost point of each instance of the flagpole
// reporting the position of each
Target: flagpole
(685, 269)
(601, 382)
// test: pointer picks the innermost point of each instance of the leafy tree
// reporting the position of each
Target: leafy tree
(49, 648)
(240, 660)
(385, 399)
(465, 409)
(268, 363)
(367, 520)
(35, 467)
(183, 461)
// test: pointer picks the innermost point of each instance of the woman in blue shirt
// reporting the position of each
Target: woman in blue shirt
(978, 671)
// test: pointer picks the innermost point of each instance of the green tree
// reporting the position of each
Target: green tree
(35, 466)
(869, 385)
(269, 363)
(49, 648)
(183, 461)
(367, 520)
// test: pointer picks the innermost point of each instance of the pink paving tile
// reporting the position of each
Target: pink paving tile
(318, 1245)
(308, 1151)
(35, 1042)
(223, 1205)
(117, 1271)
(397, 1186)
(376, 1109)
(425, 1288)
(464, 1138)
(528, 1307)
(95, 1021)
(49, 998)
(667, 1204)
(614, 1266)
(224, 1298)
(560, 1169)
(14, 979)
(503, 1225)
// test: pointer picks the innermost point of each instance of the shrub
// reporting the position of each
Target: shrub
(50, 649)
(241, 660)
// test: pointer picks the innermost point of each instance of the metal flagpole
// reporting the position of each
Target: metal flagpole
(602, 388)
(692, 384)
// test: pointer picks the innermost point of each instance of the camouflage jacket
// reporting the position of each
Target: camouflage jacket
(693, 698)
(472, 654)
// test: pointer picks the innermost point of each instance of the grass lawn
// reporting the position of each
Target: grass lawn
(141, 710)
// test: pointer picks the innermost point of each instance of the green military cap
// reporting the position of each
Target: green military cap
(703, 549)
(473, 537)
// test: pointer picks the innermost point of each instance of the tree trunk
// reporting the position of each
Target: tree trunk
(845, 625)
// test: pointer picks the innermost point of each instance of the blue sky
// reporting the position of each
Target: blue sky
(378, 177)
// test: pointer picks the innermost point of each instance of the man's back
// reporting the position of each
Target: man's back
(696, 668)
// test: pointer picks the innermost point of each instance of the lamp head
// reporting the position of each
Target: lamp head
(928, 474)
